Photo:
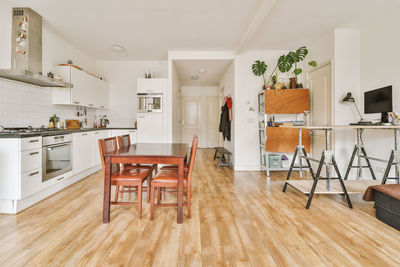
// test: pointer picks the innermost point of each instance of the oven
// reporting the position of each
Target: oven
(57, 156)
(149, 103)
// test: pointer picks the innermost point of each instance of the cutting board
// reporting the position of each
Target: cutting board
(72, 124)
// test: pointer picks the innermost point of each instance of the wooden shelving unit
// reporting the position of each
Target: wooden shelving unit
(276, 140)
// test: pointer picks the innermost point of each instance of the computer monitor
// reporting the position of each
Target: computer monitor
(379, 101)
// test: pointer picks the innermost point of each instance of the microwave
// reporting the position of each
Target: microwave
(149, 103)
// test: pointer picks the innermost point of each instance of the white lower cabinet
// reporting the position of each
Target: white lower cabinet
(95, 145)
(82, 151)
(21, 183)
(31, 182)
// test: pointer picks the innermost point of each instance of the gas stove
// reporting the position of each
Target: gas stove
(30, 130)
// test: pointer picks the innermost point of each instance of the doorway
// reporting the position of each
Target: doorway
(199, 100)
(320, 82)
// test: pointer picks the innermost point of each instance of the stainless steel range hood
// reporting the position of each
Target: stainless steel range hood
(26, 50)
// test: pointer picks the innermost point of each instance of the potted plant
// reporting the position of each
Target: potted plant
(287, 62)
(259, 68)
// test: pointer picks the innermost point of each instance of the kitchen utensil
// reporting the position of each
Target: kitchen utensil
(72, 124)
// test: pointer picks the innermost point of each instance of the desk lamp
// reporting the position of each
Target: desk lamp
(349, 98)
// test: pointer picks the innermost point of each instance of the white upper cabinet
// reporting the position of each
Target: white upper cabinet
(151, 86)
(87, 90)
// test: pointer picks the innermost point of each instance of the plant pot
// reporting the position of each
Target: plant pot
(293, 83)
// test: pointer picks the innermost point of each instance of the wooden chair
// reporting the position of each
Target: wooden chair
(175, 167)
(125, 141)
(129, 177)
(168, 179)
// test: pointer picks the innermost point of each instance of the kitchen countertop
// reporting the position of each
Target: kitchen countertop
(60, 132)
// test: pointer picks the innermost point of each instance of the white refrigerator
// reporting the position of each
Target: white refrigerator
(150, 127)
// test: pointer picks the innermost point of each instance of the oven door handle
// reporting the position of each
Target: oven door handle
(52, 147)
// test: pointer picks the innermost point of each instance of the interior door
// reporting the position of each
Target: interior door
(191, 119)
(320, 82)
(212, 121)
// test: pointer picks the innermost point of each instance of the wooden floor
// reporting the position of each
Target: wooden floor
(238, 218)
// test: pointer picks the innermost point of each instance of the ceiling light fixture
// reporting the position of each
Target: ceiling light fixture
(194, 77)
(118, 48)
(202, 70)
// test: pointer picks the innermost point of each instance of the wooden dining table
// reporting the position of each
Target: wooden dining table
(145, 153)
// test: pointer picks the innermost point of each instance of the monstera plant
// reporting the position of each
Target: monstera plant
(259, 68)
(287, 62)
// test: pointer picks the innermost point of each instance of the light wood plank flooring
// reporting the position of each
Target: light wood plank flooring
(238, 219)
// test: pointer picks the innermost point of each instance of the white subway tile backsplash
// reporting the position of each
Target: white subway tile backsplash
(23, 105)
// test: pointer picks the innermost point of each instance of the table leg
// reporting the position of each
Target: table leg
(107, 190)
(180, 191)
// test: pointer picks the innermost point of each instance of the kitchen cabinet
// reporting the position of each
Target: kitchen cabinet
(82, 151)
(20, 167)
(150, 86)
(87, 90)
(150, 128)
(101, 134)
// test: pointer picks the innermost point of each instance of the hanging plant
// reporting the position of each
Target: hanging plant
(259, 68)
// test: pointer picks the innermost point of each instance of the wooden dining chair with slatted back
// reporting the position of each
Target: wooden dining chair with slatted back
(169, 179)
(175, 167)
(119, 177)
(125, 141)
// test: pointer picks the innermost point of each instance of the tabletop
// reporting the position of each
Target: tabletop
(151, 149)
(330, 127)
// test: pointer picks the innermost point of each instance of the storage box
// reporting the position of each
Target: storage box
(275, 161)
(387, 209)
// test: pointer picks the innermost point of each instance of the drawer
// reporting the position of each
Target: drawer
(31, 159)
(31, 182)
(31, 143)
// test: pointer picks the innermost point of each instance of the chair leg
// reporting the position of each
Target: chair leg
(189, 201)
(159, 195)
(116, 193)
(140, 200)
(149, 179)
(152, 202)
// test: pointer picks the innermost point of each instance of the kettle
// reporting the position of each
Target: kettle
(104, 122)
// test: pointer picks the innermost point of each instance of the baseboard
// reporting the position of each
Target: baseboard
(250, 168)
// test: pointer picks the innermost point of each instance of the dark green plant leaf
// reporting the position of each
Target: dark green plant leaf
(259, 68)
(297, 71)
(285, 62)
(313, 63)
(300, 54)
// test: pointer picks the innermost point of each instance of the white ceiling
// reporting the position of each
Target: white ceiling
(149, 28)
(214, 69)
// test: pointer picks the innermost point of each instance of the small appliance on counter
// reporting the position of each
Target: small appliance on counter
(104, 122)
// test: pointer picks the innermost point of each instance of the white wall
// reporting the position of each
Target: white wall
(176, 104)
(227, 83)
(23, 104)
(123, 76)
(380, 67)
(55, 50)
(346, 79)
(247, 86)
